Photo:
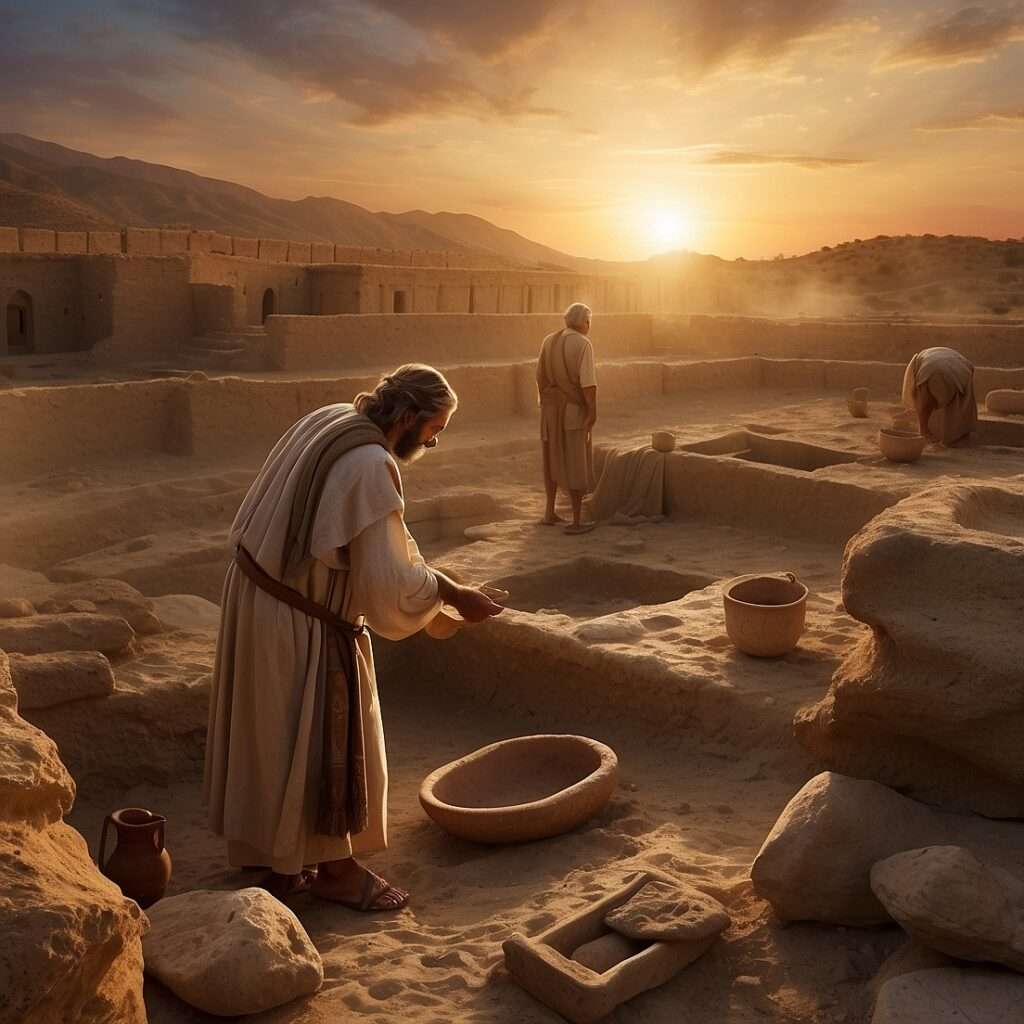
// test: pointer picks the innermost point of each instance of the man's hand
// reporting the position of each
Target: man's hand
(473, 605)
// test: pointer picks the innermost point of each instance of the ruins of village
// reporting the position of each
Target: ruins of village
(831, 833)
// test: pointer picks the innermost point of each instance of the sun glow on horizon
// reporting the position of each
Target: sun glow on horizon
(663, 225)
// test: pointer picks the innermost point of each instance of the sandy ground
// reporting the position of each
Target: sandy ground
(697, 794)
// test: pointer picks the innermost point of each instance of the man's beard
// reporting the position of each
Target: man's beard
(409, 447)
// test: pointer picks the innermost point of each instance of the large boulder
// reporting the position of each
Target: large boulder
(15, 607)
(45, 680)
(78, 631)
(71, 950)
(816, 863)
(932, 702)
(110, 597)
(231, 953)
(949, 995)
(949, 900)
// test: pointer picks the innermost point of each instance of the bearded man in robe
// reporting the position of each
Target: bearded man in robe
(567, 387)
(296, 772)
(939, 386)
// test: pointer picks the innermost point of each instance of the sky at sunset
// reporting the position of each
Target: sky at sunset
(609, 128)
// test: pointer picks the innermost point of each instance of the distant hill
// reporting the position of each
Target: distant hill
(43, 184)
(909, 275)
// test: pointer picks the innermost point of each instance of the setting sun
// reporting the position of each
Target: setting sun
(663, 225)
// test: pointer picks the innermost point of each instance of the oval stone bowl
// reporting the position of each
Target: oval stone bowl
(516, 790)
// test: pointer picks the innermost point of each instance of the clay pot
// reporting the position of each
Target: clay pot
(663, 441)
(857, 403)
(901, 445)
(140, 864)
(764, 615)
(529, 787)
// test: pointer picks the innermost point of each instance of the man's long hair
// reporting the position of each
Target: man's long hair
(414, 388)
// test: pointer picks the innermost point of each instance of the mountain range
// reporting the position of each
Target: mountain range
(43, 184)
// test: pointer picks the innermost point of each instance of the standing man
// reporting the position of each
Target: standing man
(296, 771)
(939, 386)
(567, 385)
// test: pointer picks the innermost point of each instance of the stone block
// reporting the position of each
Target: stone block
(173, 242)
(299, 252)
(105, 243)
(142, 241)
(322, 252)
(78, 631)
(220, 243)
(110, 597)
(1005, 402)
(352, 254)
(9, 240)
(200, 241)
(248, 247)
(273, 250)
(73, 242)
(38, 240)
(46, 680)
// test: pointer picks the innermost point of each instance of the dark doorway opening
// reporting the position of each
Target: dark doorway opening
(269, 304)
(400, 303)
(20, 326)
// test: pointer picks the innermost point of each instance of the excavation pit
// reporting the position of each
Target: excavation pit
(588, 587)
(772, 451)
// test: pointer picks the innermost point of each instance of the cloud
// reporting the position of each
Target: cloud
(715, 33)
(486, 29)
(737, 158)
(971, 35)
(1003, 120)
(333, 49)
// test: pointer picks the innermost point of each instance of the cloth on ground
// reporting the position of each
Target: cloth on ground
(632, 485)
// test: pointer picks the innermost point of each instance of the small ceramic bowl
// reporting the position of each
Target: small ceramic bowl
(901, 445)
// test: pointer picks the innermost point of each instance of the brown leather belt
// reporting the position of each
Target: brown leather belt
(284, 593)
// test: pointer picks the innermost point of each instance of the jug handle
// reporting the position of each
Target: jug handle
(791, 576)
(158, 837)
(107, 821)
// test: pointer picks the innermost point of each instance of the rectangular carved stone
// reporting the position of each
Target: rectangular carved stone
(322, 252)
(38, 240)
(298, 252)
(76, 242)
(350, 254)
(77, 631)
(45, 680)
(249, 247)
(220, 243)
(9, 240)
(200, 241)
(104, 242)
(142, 241)
(173, 242)
(273, 250)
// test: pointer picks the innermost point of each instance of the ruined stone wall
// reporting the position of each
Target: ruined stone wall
(728, 337)
(150, 306)
(375, 289)
(251, 279)
(53, 286)
(350, 342)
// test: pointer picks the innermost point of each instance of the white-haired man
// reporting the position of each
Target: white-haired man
(567, 385)
(296, 772)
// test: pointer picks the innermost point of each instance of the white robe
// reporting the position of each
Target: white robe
(263, 756)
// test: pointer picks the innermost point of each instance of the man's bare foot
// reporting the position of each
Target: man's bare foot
(357, 887)
(552, 519)
(576, 528)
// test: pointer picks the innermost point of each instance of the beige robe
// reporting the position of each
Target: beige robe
(949, 378)
(564, 368)
(264, 741)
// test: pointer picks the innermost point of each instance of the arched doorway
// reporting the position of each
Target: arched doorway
(20, 326)
(269, 304)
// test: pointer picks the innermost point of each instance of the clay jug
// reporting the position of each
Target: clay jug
(140, 864)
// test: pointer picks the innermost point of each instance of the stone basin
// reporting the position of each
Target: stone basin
(516, 790)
